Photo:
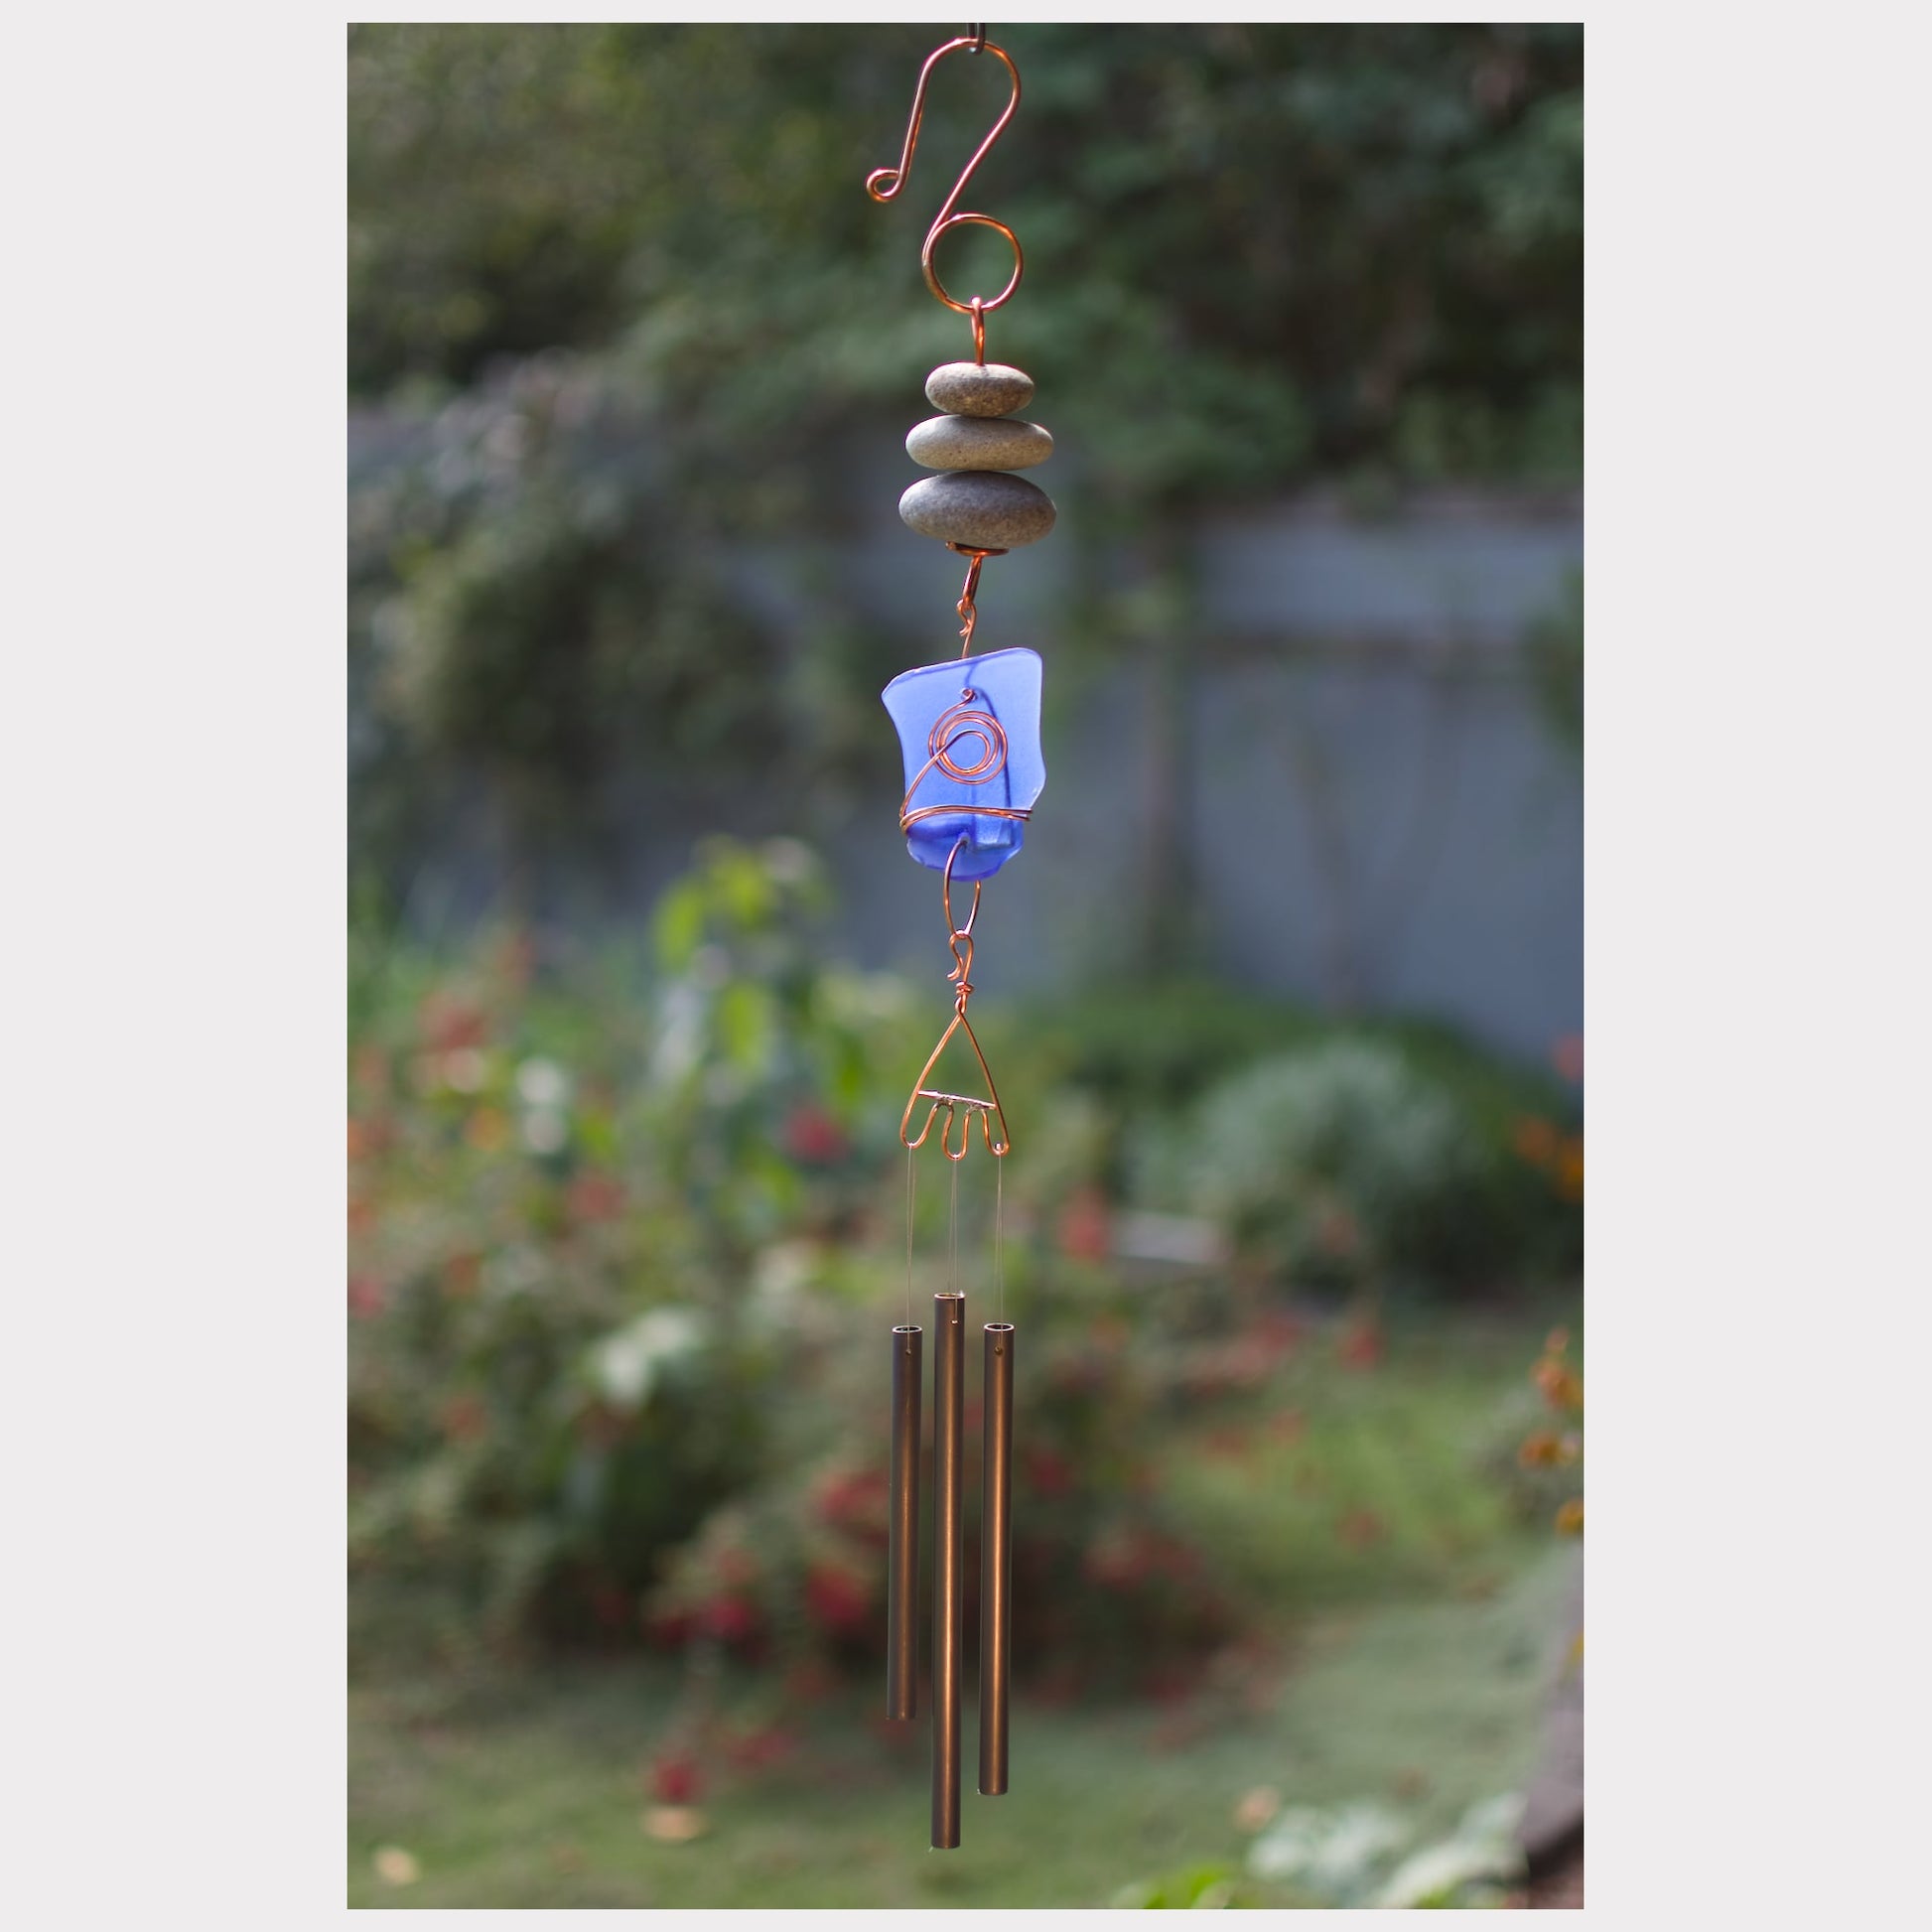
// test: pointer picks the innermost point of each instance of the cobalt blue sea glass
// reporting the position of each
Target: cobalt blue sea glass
(970, 734)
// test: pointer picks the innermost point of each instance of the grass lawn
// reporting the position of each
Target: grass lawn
(1405, 1659)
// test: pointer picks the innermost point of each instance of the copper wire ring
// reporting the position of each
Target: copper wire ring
(979, 307)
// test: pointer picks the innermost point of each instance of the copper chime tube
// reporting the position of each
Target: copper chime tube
(903, 1560)
(948, 1580)
(996, 1558)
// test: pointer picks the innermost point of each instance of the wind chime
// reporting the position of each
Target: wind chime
(969, 729)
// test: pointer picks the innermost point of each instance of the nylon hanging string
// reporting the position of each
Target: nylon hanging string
(911, 1204)
(999, 1237)
(952, 1237)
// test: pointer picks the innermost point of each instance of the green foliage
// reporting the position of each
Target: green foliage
(613, 1217)
(1111, 1591)
(1334, 1161)
(521, 1788)
(1202, 1888)
(1301, 240)
(558, 1365)
(624, 307)
(1374, 1148)
(1315, 1472)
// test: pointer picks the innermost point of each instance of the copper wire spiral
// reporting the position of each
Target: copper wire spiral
(950, 728)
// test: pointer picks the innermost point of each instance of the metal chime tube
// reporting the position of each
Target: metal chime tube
(996, 1558)
(903, 1560)
(949, 1579)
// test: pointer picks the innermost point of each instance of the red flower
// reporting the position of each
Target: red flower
(1360, 1345)
(676, 1780)
(668, 1627)
(1084, 1231)
(367, 1295)
(1048, 1472)
(595, 1197)
(464, 1419)
(813, 1136)
(836, 1599)
(1360, 1528)
(1567, 1056)
(731, 1619)
(752, 1751)
(446, 1023)
(854, 1499)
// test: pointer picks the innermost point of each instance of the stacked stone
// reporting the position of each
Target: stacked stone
(974, 503)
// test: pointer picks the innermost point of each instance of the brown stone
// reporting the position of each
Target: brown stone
(979, 388)
(984, 509)
(977, 443)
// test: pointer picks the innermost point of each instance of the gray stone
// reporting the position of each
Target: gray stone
(977, 443)
(984, 509)
(979, 388)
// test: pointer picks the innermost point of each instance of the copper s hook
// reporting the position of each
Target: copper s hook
(884, 184)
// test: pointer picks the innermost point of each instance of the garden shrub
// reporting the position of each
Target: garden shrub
(560, 1355)
(1148, 1056)
(616, 1221)
(1109, 1588)
(1335, 1164)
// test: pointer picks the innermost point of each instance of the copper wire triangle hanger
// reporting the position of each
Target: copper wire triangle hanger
(986, 1111)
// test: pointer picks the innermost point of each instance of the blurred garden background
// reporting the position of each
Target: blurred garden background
(1284, 996)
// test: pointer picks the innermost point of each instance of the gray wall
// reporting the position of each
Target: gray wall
(1373, 809)
(1368, 807)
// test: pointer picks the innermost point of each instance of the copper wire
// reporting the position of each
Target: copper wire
(959, 939)
(884, 184)
(951, 728)
(962, 722)
(967, 608)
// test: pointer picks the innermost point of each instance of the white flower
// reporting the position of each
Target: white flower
(625, 1364)
(1483, 1849)
(1327, 1851)
(542, 1082)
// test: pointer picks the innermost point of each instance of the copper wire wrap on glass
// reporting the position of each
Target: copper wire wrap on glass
(955, 727)
(996, 1558)
(948, 1579)
(903, 1559)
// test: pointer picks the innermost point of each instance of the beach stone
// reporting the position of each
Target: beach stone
(977, 443)
(985, 509)
(979, 388)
